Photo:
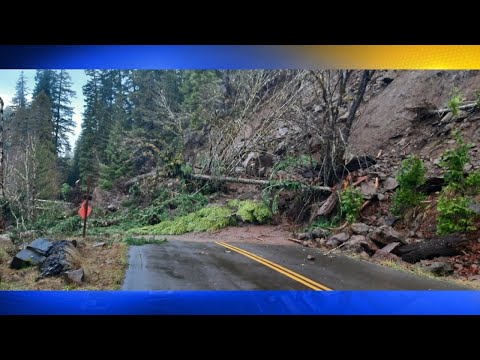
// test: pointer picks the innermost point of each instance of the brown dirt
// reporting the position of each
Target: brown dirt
(385, 115)
(104, 269)
(261, 234)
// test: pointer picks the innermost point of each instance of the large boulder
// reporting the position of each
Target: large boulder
(25, 258)
(338, 239)
(40, 246)
(74, 276)
(385, 235)
(359, 244)
(360, 228)
(61, 257)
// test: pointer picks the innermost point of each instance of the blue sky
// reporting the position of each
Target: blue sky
(8, 79)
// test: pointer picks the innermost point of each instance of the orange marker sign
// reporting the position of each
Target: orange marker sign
(84, 211)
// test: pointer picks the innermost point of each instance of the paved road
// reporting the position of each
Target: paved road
(183, 265)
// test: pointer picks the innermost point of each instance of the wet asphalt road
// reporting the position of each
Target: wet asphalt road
(183, 265)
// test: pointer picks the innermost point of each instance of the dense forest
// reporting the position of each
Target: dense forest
(381, 164)
(136, 121)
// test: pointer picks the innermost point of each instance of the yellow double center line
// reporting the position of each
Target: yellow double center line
(287, 272)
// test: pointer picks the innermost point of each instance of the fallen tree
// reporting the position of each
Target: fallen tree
(229, 179)
(427, 110)
(429, 249)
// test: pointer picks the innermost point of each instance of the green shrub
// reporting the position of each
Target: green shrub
(472, 182)
(251, 211)
(351, 201)
(410, 176)
(453, 205)
(207, 219)
(65, 191)
(69, 225)
(106, 184)
(454, 214)
(455, 101)
(453, 161)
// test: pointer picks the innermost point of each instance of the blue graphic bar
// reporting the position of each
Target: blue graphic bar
(149, 57)
(239, 303)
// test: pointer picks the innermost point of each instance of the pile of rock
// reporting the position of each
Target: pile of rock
(52, 258)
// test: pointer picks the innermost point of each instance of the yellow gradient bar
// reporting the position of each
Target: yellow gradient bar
(408, 57)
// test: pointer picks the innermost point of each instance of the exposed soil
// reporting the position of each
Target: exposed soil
(261, 234)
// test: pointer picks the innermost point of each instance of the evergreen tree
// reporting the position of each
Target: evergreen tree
(21, 90)
(45, 81)
(62, 111)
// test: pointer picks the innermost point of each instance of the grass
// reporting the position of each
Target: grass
(143, 241)
(418, 271)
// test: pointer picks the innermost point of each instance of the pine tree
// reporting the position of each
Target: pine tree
(45, 81)
(87, 146)
(62, 111)
(21, 90)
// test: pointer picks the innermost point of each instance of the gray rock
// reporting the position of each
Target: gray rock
(319, 233)
(99, 244)
(386, 235)
(340, 238)
(384, 255)
(74, 276)
(112, 208)
(448, 127)
(380, 196)
(447, 118)
(368, 189)
(25, 258)
(390, 220)
(5, 238)
(310, 257)
(40, 246)
(390, 247)
(475, 208)
(322, 241)
(359, 244)
(390, 184)
(440, 268)
(332, 242)
(360, 228)
(462, 114)
(467, 167)
(303, 236)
